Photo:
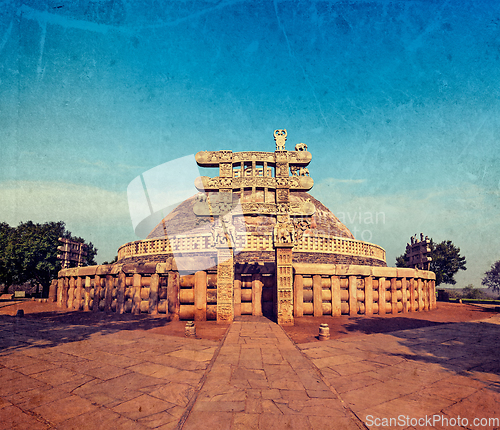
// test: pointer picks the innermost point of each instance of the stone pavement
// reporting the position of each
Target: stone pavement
(115, 376)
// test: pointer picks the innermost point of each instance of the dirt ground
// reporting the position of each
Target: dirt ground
(305, 328)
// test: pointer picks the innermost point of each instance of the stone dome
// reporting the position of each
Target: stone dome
(183, 220)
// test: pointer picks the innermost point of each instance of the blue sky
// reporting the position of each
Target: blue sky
(398, 102)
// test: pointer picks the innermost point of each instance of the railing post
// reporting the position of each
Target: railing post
(420, 295)
(97, 293)
(412, 295)
(153, 294)
(368, 296)
(200, 296)
(120, 293)
(353, 295)
(298, 296)
(381, 296)
(60, 291)
(394, 297)
(86, 299)
(317, 296)
(404, 294)
(78, 301)
(136, 300)
(71, 292)
(173, 295)
(108, 292)
(336, 299)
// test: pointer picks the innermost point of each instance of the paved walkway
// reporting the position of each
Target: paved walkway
(114, 376)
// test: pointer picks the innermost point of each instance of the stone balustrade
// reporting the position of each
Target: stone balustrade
(335, 290)
(319, 243)
(318, 289)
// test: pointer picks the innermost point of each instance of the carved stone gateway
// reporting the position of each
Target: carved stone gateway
(250, 174)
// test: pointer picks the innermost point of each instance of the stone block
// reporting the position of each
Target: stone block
(405, 272)
(87, 270)
(386, 272)
(105, 269)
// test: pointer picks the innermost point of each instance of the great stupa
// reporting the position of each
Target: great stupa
(252, 241)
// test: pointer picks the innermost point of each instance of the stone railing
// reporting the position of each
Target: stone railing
(152, 288)
(321, 243)
(318, 289)
(325, 243)
(335, 290)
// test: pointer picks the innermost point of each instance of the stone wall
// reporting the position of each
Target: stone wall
(159, 288)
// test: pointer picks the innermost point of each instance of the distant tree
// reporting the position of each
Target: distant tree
(470, 292)
(31, 254)
(492, 277)
(114, 260)
(446, 261)
(6, 272)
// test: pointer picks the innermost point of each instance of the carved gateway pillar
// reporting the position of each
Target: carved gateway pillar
(225, 279)
(284, 233)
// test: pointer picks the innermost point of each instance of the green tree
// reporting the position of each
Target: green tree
(492, 277)
(31, 253)
(446, 261)
(470, 292)
(6, 272)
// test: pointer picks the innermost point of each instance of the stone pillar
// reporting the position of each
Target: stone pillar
(173, 288)
(237, 295)
(336, 300)
(257, 285)
(394, 297)
(108, 292)
(298, 296)
(317, 296)
(433, 294)
(120, 294)
(78, 288)
(353, 295)
(53, 291)
(381, 296)
(412, 295)
(225, 279)
(60, 291)
(368, 296)
(97, 293)
(404, 294)
(86, 299)
(153, 294)
(136, 299)
(200, 296)
(71, 292)
(420, 295)
(284, 287)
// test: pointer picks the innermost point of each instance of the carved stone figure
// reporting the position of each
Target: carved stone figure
(301, 225)
(284, 233)
(280, 138)
(294, 170)
(301, 147)
(303, 171)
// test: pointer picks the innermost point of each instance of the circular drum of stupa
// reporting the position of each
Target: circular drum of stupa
(322, 238)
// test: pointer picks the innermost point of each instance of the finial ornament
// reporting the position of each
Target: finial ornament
(280, 138)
